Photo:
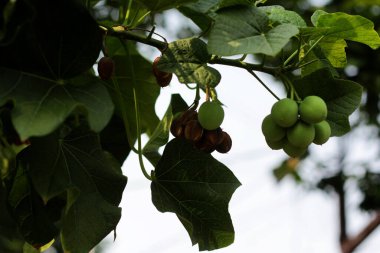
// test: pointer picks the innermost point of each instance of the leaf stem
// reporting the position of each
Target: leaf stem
(139, 148)
(263, 84)
(310, 49)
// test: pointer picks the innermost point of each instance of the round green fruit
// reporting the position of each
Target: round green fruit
(322, 132)
(271, 130)
(276, 145)
(210, 115)
(292, 150)
(301, 134)
(285, 112)
(313, 109)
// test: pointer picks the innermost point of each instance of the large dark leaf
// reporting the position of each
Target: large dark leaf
(71, 161)
(10, 238)
(29, 211)
(41, 104)
(57, 39)
(197, 188)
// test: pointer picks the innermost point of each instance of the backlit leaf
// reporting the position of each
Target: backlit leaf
(197, 188)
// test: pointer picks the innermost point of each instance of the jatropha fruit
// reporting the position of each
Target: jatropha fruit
(106, 68)
(163, 79)
(293, 126)
(202, 128)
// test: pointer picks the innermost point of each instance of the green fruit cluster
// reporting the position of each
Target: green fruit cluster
(293, 127)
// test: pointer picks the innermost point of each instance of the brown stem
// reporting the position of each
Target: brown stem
(342, 215)
(349, 245)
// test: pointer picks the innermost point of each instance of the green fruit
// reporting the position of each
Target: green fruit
(210, 115)
(285, 112)
(322, 132)
(293, 151)
(313, 109)
(276, 145)
(301, 134)
(271, 130)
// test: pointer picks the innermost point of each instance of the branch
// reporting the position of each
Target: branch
(122, 33)
(349, 245)
(244, 65)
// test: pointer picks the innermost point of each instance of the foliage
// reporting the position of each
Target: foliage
(65, 132)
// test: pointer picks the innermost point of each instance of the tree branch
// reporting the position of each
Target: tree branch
(122, 33)
(349, 245)
(125, 34)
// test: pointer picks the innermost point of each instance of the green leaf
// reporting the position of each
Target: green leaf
(114, 139)
(188, 59)
(197, 188)
(243, 30)
(229, 3)
(201, 12)
(29, 211)
(70, 162)
(133, 73)
(10, 238)
(61, 39)
(341, 96)
(41, 104)
(160, 135)
(160, 5)
(338, 27)
(278, 15)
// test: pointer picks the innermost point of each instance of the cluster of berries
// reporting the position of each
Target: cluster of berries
(293, 127)
(187, 125)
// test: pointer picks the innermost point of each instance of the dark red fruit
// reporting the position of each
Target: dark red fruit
(163, 78)
(176, 128)
(187, 116)
(214, 137)
(193, 131)
(106, 68)
(226, 143)
(204, 145)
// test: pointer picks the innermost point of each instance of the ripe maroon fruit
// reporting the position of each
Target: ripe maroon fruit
(163, 78)
(106, 68)
(193, 131)
(225, 144)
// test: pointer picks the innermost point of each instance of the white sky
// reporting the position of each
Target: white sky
(268, 217)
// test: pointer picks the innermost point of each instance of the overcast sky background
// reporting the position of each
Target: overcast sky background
(267, 216)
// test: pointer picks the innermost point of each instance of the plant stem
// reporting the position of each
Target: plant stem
(310, 49)
(263, 84)
(137, 114)
(139, 148)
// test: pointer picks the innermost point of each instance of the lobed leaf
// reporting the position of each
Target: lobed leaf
(336, 28)
(50, 42)
(41, 104)
(197, 188)
(70, 162)
(243, 30)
